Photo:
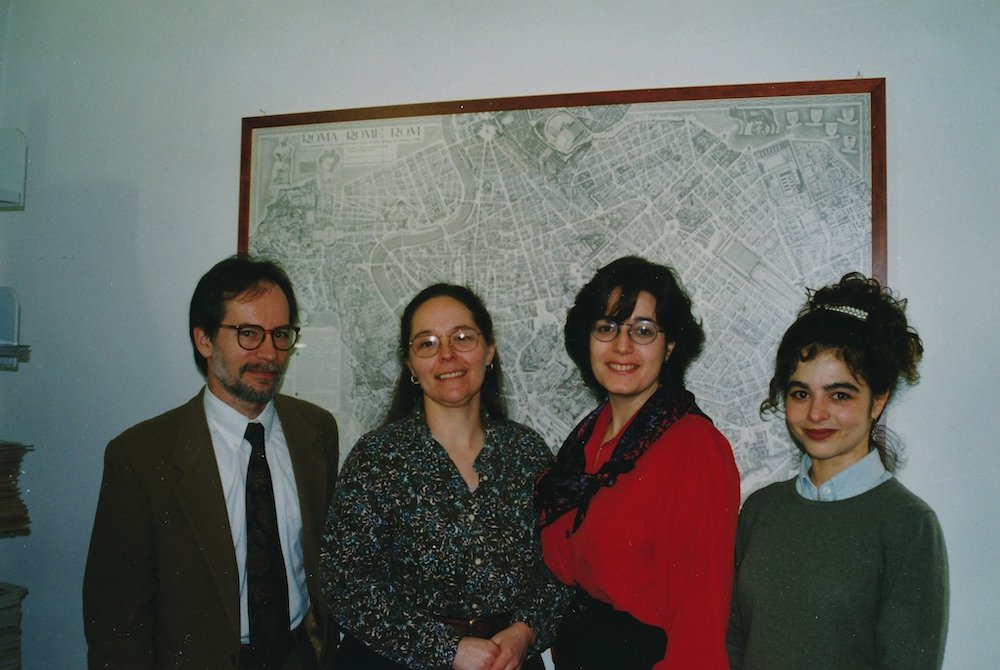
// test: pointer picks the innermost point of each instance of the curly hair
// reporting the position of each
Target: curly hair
(864, 325)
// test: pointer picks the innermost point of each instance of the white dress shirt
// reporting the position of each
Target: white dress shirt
(232, 455)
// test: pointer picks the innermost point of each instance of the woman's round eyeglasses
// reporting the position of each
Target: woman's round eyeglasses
(426, 345)
(250, 336)
(642, 331)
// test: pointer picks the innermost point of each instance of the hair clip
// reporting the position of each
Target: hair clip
(856, 312)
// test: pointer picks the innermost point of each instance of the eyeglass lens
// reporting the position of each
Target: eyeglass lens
(427, 345)
(642, 331)
(251, 336)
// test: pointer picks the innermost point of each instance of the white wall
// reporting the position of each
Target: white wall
(132, 111)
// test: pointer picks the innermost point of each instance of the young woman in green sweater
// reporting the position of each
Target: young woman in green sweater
(840, 567)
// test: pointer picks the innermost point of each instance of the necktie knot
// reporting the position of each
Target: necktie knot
(254, 434)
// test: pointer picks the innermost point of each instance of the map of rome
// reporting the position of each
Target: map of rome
(750, 200)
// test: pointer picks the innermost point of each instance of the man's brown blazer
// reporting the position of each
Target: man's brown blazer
(161, 586)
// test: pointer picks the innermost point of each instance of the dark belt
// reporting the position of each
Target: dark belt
(485, 626)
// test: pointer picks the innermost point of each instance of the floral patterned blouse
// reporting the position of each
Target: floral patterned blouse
(407, 540)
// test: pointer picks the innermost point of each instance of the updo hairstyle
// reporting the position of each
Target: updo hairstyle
(863, 324)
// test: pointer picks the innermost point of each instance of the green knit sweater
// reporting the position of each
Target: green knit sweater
(846, 585)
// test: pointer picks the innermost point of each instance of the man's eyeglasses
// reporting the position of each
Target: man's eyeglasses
(460, 339)
(251, 336)
(642, 331)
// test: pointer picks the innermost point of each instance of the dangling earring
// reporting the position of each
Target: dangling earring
(874, 431)
(414, 380)
(489, 366)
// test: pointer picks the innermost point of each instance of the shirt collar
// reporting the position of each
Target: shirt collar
(856, 479)
(232, 423)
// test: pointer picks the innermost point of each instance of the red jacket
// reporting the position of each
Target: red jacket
(658, 544)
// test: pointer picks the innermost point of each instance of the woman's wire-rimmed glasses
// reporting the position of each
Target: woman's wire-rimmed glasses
(642, 331)
(250, 336)
(462, 338)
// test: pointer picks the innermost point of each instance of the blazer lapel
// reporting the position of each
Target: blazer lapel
(199, 494)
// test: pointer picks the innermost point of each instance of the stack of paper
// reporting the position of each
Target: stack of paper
(10, 625)
(13, 512)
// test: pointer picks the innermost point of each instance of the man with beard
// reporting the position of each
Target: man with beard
(189, 495)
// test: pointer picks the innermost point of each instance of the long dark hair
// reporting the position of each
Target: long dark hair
(864, 325)
(406, 395)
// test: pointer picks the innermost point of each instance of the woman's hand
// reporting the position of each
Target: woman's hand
(513, 642)
(475, 653)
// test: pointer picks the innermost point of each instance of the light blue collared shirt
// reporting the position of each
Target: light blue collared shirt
(858, 478)
(232, 454)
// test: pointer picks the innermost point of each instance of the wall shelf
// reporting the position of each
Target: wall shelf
(13, 164)
(11, 351)
(21, 352)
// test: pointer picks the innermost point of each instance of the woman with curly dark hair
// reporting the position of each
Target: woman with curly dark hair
(638, 511)
(841, 566)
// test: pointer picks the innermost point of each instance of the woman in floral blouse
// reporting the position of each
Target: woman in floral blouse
(431, 555)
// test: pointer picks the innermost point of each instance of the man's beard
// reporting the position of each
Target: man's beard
(247, 393)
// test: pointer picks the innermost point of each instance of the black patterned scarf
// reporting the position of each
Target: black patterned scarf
(565, 485)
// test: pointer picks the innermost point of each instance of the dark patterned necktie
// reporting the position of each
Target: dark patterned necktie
(267, 585)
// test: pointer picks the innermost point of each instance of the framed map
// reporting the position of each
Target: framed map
(753, 193)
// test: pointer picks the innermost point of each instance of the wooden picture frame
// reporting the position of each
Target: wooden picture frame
(366, 206)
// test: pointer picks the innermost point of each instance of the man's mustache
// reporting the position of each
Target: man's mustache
(261, 367)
